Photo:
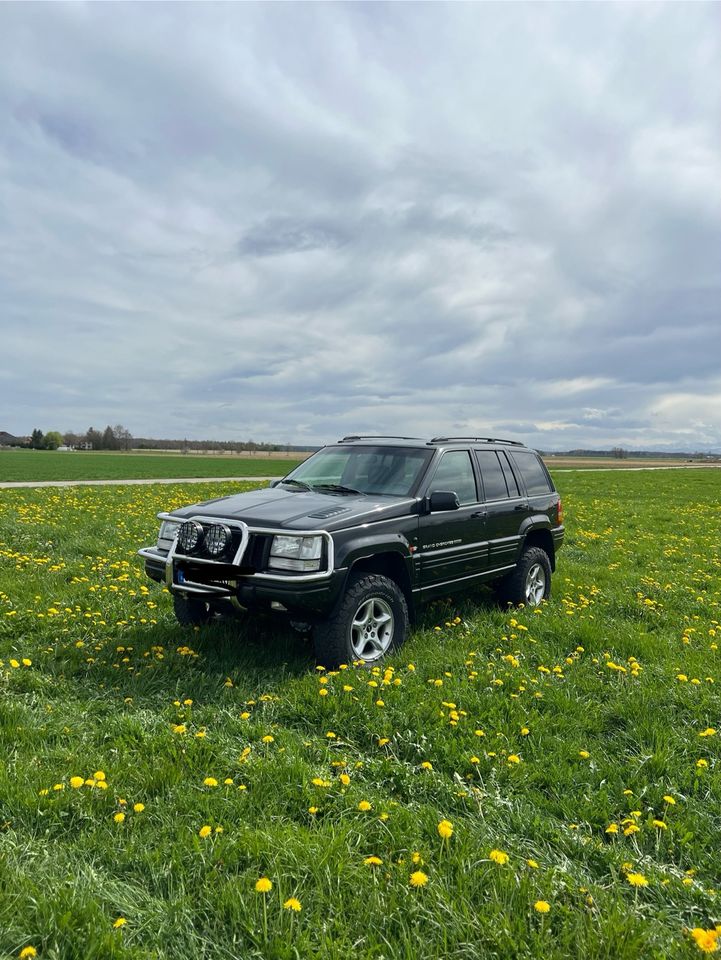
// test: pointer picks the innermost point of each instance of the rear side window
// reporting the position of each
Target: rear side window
(511, 483)
(532, 471)
(494, 481)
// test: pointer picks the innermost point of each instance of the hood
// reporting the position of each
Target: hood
(300, 510)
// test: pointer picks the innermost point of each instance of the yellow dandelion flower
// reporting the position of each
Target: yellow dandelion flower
(119, 817)
(445, 829)
(542, 906)
(120, 922)
(702, 763)
(312, 811)
(344, 779)
(706, 940)
(263, 885)
(533, 864)
(292, 904)
(364, 806)
(373, 861)
(27, 952)
(205, 831)
(612, 828)
(99, 775)
(513, 758)
(584, 754)
(498, 856)
(418, 879)
(210, 782)
(268, 738)
(138, 807)
(76, 782)
(669, 800)
(660, 824)
(637, 879)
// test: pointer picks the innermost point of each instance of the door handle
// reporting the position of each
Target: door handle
(521, 506)
(479, 515)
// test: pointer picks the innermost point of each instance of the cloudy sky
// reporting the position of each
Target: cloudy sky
(292, 221)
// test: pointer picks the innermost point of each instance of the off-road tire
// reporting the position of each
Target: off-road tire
(523, 585)
(191, 611)
(332, 638)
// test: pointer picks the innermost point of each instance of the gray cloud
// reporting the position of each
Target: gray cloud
(293, 222)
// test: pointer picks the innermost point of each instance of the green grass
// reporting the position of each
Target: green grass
(638, 582)
(31, 465)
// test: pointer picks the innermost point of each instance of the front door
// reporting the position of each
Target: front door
(453, 543)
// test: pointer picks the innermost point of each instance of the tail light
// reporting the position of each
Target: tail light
(559, 513)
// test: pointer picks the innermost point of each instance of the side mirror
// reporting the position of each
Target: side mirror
(443, 500)
(274, 483)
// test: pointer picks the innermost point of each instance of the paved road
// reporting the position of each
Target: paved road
(121, 483)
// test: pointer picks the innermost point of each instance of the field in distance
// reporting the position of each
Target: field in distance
(43, 465)
(29, 465)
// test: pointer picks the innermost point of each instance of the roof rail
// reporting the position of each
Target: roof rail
(375, 436)
(516, 443)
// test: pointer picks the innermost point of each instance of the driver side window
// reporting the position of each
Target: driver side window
(455, 472)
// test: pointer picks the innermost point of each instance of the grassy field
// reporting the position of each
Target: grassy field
(27, 465)
(540, 784)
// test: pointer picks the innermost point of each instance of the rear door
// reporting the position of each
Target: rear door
(506, 508)
(453, 543)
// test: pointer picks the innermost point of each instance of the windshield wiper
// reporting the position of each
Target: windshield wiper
(337, 488)
(298, 483)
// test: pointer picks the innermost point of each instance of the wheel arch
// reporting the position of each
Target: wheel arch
(543, 538)
(388, 563)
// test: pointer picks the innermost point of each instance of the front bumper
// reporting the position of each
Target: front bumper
(301, 595)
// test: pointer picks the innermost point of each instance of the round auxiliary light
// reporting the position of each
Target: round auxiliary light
(190, 536)
(217, 539)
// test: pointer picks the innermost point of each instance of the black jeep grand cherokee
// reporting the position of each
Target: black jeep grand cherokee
(355, 538)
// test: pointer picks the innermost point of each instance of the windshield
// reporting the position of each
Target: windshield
(381, 471)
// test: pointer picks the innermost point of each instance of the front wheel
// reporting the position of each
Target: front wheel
(371, 621)
(530, 582)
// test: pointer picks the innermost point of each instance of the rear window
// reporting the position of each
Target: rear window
(532, 471)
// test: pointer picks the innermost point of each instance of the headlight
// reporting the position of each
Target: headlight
(301, 554)
(168, 529)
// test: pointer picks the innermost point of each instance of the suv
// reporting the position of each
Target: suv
(351, 542)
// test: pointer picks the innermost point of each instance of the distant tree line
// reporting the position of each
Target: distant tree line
(120, 438)
(111, 438)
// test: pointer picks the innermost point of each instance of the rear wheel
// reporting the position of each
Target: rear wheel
(191, 611)
(371, 621)
(530, 582)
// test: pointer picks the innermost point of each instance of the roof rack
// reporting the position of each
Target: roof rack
(516, 443)
(375, 436)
